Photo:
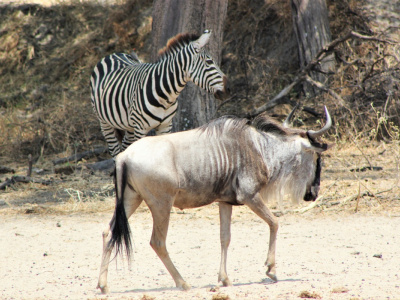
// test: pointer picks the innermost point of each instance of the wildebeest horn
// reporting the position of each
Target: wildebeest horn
(328, 125)
(290, 116)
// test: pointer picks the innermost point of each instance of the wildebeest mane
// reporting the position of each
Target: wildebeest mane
(267, 124)
(218, 125)
(262, 123)
(177, 42)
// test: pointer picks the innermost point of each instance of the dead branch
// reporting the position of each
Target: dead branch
(324, 88)
(105, 165)
(4, 170)
(222, 104)
(79, 156)
(317, 202)
(364, 155)
(30, 163)
(278, 99)
(23, 179)
(303, 73)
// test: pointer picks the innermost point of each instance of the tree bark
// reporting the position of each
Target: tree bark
(170, 17)
(311, 26)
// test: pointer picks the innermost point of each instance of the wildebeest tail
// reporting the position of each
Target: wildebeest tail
(121, 233)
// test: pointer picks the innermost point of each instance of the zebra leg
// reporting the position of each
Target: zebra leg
(128, 139)
(132, 136)
(112, 141)
(163, 128)
(166, 124)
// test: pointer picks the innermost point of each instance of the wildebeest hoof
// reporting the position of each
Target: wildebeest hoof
(103, 289)
(272, 276)
(185, 286)
(226, 282)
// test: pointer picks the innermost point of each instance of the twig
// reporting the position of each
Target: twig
(324, 88)
(310, 206)
(358, 198)
(30, 163)
(363, 154)
(223, 103)
(77, 193)
(352, 197)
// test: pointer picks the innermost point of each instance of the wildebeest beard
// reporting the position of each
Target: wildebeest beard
(312, 192)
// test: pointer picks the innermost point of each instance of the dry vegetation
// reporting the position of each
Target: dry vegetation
(47, 54)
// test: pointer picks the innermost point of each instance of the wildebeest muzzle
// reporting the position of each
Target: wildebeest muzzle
(312, 191)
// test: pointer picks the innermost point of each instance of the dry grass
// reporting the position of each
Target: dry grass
(340, 290)
(220, 296)
(46, 58)
(309, 295)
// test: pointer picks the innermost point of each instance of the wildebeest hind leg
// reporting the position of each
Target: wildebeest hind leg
(161, 213)
(132, 202)
(225, 214)
(257, 205)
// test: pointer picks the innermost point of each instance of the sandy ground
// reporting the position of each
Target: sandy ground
(343, 256)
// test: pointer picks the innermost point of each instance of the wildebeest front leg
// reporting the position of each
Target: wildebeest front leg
(225, 214)
(130, 206)
(161, 216)
(257, 205)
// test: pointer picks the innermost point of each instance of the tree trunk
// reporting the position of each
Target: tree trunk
(311, 26)
(170, 17)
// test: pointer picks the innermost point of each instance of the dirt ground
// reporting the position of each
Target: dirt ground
(339, 256)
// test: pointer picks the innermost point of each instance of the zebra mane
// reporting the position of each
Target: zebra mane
(177, 42)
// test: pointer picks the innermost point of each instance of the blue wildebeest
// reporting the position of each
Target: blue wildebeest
(231, 161)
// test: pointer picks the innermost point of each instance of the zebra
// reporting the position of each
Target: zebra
(130, 98)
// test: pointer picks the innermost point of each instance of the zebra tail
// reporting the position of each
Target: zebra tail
(121, 233)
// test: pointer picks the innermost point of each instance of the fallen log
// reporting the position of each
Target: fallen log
(105, 165)
(79, 156)
(23, 179)
(4, 170)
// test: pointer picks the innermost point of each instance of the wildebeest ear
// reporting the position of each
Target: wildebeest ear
(202, 40)
(316, 147)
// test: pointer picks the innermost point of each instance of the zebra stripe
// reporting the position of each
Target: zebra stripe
(135, 97)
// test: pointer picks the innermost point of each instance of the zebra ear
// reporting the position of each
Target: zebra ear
(202, 40)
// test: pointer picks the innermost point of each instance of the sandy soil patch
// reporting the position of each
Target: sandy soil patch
(344, 256)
